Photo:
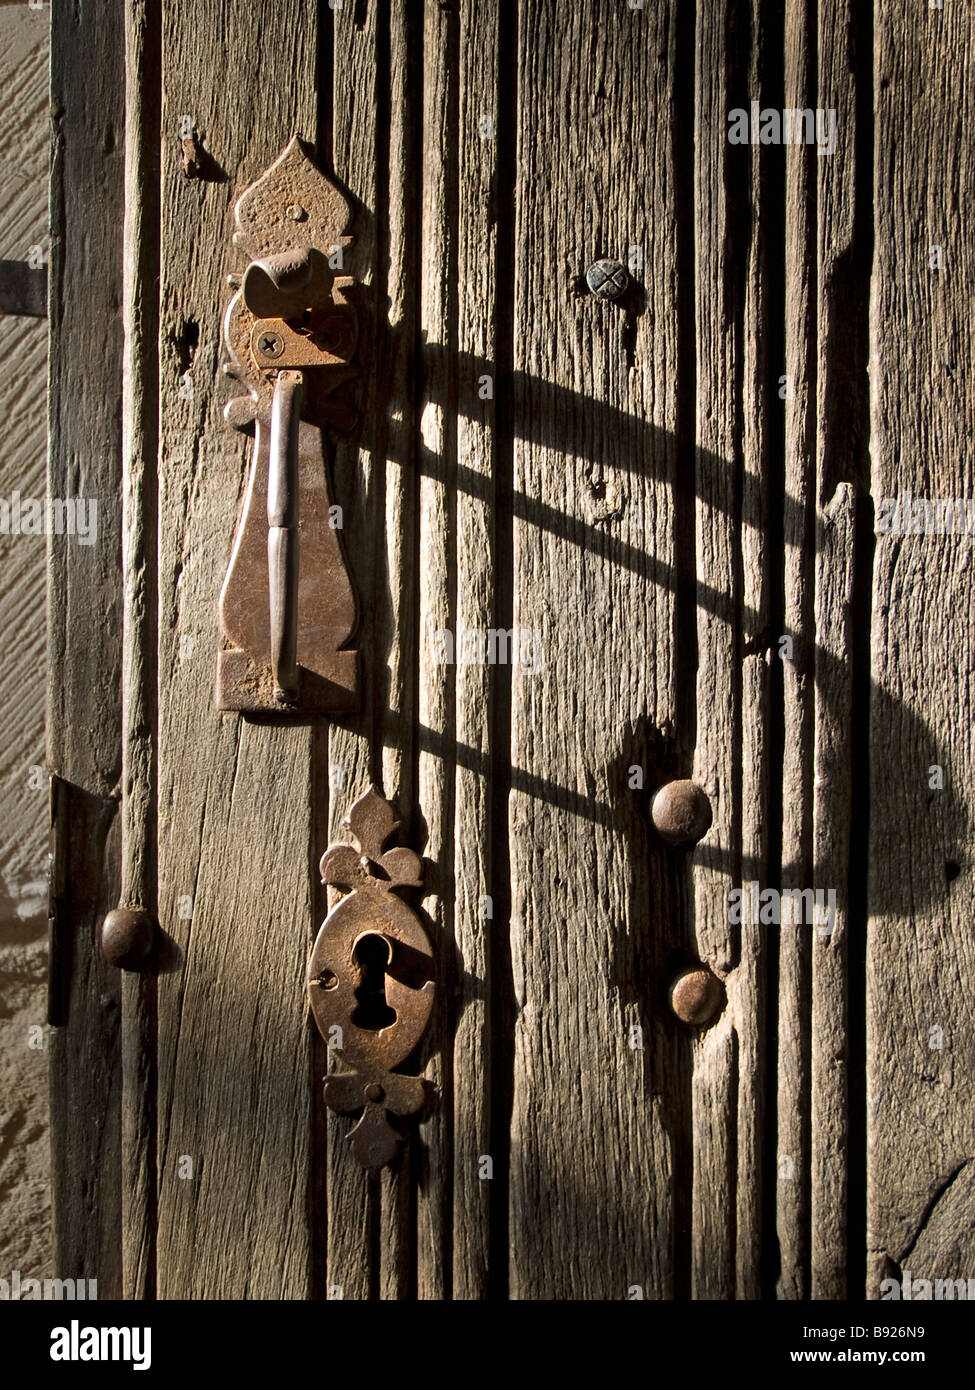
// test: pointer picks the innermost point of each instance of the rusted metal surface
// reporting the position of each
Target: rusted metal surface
(681, 813)
(128, 936)
(287, 609)
(282, 533)
(697, 996)
(342, 1000)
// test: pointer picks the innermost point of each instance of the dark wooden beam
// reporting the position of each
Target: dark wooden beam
(84, 745)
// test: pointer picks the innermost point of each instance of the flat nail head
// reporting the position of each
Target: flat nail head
(607, 279)
(681, 813)
(696, 996)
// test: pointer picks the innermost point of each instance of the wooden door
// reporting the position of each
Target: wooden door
(676, 502)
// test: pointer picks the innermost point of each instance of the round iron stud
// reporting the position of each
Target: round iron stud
(128, 934)
(681, 813)
(696, 996)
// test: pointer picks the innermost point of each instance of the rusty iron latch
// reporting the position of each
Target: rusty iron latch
(287, 609)
(287, 612)
(370, 980)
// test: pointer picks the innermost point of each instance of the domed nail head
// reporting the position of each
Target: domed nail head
(128, 934)
(696, 996)
(681, 813)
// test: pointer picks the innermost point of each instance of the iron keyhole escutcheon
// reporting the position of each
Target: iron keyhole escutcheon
(371, 981)
(373, 952)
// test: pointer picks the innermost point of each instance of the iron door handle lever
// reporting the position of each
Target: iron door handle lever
(282, 533)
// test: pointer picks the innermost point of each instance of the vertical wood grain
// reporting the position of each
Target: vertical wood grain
(595, 462)
(652, 472)
(791, 1175)
(375, 138)
(841, 444)
(360, 468)
(747, 990)
(84, 635)
(482, 185)
(438, 461)
(140, 440)
(235, 795)
(406, 1196)
(920, 957)
(721, 265)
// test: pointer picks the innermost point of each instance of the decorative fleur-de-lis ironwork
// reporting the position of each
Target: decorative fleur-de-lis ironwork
(372, 920)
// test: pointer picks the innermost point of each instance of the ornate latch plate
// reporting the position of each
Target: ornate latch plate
(287, 608)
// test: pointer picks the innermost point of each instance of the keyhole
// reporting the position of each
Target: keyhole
(372, 953)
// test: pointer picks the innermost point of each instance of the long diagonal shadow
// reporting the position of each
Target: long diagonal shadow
(636, 448)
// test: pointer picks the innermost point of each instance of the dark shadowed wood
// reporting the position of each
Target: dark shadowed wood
(23, 289)
(841, 463)
(84, 635)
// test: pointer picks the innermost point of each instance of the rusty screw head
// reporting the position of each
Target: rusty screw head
(681, 813)
(270, 344)
(696, 996)
(327, 979)
(374, 1092)
(128, 934)
(607, 279)
(296, 212)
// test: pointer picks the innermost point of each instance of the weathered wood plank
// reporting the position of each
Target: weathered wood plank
(481, 152)
(840, 465)
(140, 441)
(405, 1189)
(595, 462)
(354, 762)
(794, 1004)
(235, 796)
(747, 991)
(829, 1116)
(920, 952)
(437, 459)
(720, 70)
(84, 633)
(375, 152)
